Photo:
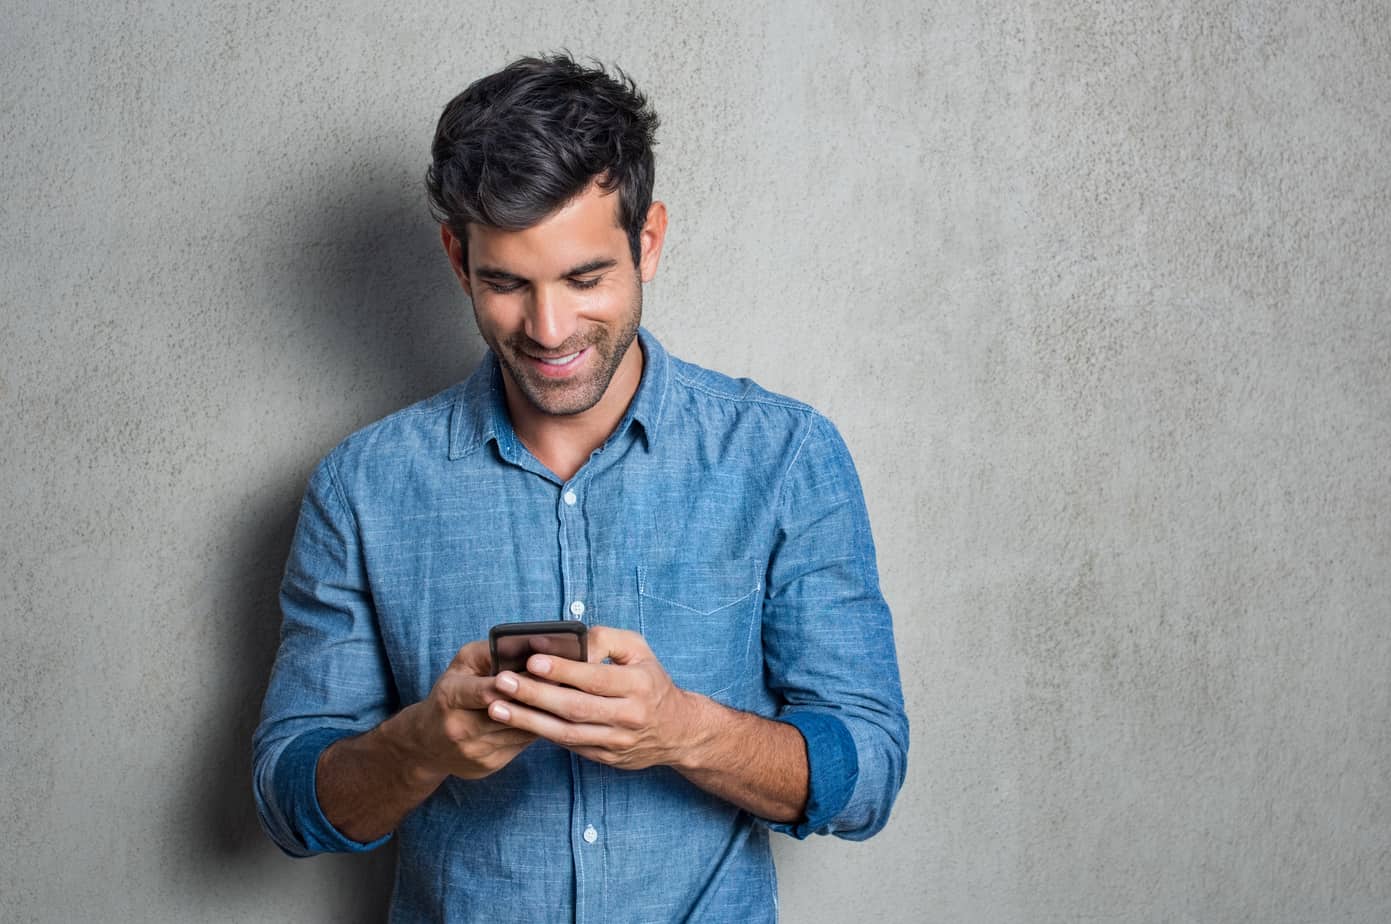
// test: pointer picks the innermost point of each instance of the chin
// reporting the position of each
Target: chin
(566, 404)
(556, 400)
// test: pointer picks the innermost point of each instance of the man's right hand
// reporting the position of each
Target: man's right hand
(450, 731)
(367, 784)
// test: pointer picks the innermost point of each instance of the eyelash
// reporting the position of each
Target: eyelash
(575, 283)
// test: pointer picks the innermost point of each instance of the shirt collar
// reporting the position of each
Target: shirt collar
(480, 411)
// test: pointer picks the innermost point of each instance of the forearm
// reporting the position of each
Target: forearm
(755, 763)
(368, 784)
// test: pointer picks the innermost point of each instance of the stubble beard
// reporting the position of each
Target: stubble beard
(562, 398)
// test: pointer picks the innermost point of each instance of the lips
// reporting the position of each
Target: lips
(558, 367)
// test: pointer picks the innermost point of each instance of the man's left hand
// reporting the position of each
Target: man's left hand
(625, 714)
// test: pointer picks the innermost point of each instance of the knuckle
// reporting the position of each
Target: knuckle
(456, 727)
(581, 710)
(467, 655)
(598, 755)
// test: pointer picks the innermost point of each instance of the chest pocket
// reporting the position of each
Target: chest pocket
(699, 618)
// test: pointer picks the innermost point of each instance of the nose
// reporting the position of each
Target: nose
(550, 318)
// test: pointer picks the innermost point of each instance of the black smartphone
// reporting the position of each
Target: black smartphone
(511, 643)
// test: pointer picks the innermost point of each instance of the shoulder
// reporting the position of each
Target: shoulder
(740, 419)
(720, 388)
(714, 396)
(417, 432)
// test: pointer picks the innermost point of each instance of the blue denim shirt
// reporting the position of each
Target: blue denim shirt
(723, 522)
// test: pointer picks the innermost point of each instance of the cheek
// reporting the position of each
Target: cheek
(599, 303)
(493, 313)
(614, 301)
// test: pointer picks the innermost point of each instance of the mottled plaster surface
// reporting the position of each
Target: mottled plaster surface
(1097, 293)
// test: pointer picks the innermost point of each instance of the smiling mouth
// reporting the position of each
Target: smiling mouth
(559, 367)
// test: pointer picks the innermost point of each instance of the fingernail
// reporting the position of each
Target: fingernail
(500, 712)
(507, 683)
(539, 664)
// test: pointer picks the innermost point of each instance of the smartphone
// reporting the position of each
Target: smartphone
(511, 643)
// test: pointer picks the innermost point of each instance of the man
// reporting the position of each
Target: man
(741, 674)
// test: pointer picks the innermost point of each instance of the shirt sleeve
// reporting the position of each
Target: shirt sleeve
(330, 678)
(828, 643)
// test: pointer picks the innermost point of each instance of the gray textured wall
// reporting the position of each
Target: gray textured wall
(1097, 292)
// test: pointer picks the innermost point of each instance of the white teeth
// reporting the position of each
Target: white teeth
(558, 361)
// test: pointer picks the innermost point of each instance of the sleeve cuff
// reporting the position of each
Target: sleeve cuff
(833, 767)
(295, 773)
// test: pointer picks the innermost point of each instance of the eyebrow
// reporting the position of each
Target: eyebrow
(593, 266)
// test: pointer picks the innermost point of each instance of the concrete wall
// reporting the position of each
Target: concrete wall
(1097, 292)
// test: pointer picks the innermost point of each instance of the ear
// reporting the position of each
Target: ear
(654, 233)
(455, 250)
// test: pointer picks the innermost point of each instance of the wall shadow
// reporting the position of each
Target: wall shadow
(365, 286)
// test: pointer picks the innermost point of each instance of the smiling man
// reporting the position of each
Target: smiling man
(560, 304)
(741, 675)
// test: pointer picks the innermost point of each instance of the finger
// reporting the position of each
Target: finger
(618, 645)
(544, 725)
(562, 646)
(464, 725)
(474, 658)
(596, 679)
(465, 691)
(491, 753)
(506, 736)
(599, 755)
(488, 729)
(564, 702)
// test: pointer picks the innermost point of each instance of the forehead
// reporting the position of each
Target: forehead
(582, 230)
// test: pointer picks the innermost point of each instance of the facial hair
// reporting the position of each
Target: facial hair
(562, 398)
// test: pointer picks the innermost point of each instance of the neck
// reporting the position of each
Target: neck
(564, 443)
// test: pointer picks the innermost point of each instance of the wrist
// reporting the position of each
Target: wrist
(402, 746)
(694, 751)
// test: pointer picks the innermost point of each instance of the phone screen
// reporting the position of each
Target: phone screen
(513, 643)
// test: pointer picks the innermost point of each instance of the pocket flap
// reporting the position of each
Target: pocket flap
(700, 619)
(704, 587)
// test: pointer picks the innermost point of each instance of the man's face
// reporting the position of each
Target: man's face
(559, 303)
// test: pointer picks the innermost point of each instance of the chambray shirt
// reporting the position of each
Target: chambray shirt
(723, 522)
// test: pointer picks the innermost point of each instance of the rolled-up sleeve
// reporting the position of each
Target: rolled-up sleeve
(828, 643)
(330, 678)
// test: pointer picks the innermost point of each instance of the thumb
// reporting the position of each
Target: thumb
(467, 691)
(473, 658)
(618, 645)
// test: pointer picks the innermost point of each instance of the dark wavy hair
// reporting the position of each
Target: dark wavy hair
(520, 143)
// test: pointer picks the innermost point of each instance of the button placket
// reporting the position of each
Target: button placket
(575, 552)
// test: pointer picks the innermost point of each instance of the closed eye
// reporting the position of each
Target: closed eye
(586, 283)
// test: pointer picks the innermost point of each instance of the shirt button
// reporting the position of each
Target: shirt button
(577, 608)
(590, 835)
(570, 498)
